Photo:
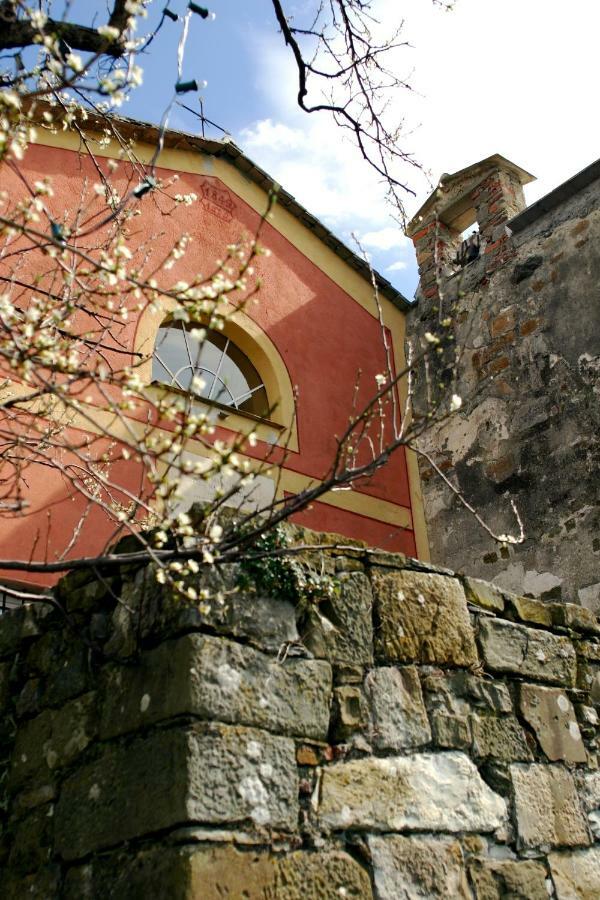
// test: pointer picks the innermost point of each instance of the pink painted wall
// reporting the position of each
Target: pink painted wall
(321, 333)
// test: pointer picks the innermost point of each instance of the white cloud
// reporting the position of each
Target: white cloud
(398, 266)
(273, 136)
(385, 238)
(321, 167)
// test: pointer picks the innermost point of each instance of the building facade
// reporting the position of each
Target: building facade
(296, 347)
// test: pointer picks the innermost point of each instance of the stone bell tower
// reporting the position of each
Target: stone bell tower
(487, 194)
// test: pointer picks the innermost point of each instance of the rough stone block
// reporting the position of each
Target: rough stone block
(53, 739)
(571, 615)
(588, 680)
(36, 795)
(547, 807)
(527, 651)
(29, 701)
(590, 798)
(63, 664)
(74, 726)
(218, 775)
(453, 732)
(348, 635)
(19, 625)
(265, 622)
(576, 875)
(398, 717)
(460, 693)
(589, 650)
(217, 872)
(504, 879)
(408, 868)
(482, 593)
(32, 842)
(551, 715)
(40, 885)
(422, 618)
(29, 757)
(528, 610)
(220, 680)
(4, 686)
(349, 713)
(325, 875)
(425, 791)
(481, 692)
(347, 674)
(499, 738)
(160, 874)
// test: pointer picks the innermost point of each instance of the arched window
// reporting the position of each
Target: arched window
(213, 368)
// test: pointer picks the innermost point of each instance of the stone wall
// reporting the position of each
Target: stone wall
(527, 324)
(415, 735)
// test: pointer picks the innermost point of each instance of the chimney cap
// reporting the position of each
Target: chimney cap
(454, 187)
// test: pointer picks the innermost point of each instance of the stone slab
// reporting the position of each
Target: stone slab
(528, 652)
(52, 740)
(499, 738)
(576, 875)
(483, 594)
(526, 609)
(5, 695)
(508, 879)
(342, 631)
(398, 717)
(422, 618)
(424, 791)
(217, 872)
(571, 615)
(451, 731)
(481, 691)
(19, 625)
(220, 680)
(589, 792)
(325, 875)
(418, 868)
(547, 807)
(349, 713)
(219, 775)
(266, 622)
(460, 692)
(551, 715)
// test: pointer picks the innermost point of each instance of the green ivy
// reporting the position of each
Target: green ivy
(284, 576)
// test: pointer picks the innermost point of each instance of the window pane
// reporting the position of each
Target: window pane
(229, 376)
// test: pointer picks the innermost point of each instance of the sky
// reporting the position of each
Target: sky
(516, 77)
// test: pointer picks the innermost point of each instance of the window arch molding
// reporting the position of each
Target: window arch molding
(260, 350)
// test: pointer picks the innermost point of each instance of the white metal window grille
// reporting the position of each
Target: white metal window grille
(214, 368)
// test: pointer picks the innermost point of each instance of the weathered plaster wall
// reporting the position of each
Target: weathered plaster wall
(431, 737)
(529, 332)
